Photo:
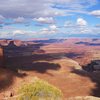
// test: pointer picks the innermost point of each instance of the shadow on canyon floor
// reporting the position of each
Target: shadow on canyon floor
(6, 79)
(95, 78)
(88, 43)
(38, 62)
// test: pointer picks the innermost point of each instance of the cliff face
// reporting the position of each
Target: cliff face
(4, 42)
(66, 56)
(1, 56)
(94, 65)
(5, 49)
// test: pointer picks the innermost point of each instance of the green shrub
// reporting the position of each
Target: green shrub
(39, 90)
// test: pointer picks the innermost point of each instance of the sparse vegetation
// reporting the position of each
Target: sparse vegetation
(39, 90)
(60, 63)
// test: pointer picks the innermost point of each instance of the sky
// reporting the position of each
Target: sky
(27, 19)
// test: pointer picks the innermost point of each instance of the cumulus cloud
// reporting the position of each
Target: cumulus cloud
(97, 25)
(80, 27)
(44, 29)
(95, 13)
(22, 34)
(43, 8)
(52, 29)
(81, 22)
(19, 20)
(44, 12)
(76, 3)
(1, 19)
(96, 30)
(4, 34)
(45, 20)
(78, 6)
(18, 32)
(69, 24)
(28, 9)
(85, 30)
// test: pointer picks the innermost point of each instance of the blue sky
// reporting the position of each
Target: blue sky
(25, 19)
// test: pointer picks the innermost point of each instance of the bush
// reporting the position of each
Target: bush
(39, 90)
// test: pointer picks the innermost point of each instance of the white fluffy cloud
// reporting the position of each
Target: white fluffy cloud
(28, 9)
(19, 20)
(95, 13)
(80, 27)
(76, 3)
(97, 25)
(1, 19)
(52, 29)
(18, 32)
(81, 22)
(68, 24)
(45, 20)
(42, 8)
(44, 12)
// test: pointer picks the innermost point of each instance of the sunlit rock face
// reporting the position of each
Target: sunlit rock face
(4, 42)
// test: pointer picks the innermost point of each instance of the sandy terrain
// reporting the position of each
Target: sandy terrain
(59, 63)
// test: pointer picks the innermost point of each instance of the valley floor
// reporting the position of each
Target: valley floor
(61, 64)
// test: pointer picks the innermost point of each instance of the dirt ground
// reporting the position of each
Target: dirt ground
(60, 65)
